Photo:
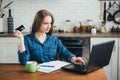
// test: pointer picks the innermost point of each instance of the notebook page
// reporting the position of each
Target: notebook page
(51, 66)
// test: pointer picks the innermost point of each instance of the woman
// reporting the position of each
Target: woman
(40, 45)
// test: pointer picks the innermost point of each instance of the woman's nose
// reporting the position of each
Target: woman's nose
(49, 25)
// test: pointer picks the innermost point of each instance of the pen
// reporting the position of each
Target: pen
(46, 66)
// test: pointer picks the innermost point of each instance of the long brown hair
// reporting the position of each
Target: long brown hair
(40, 15)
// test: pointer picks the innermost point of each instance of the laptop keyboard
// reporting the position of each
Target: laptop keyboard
(78, 67)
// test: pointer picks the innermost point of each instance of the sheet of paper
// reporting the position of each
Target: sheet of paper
(52, 66)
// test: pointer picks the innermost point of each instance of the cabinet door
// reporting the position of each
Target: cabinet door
(111, 69)
(9, 47)
(2, 55)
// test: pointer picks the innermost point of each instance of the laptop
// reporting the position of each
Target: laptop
(99, 57)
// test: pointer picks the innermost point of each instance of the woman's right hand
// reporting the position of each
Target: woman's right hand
(18, 34)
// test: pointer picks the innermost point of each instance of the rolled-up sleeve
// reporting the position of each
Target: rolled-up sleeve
(63, 51)
(25, 55)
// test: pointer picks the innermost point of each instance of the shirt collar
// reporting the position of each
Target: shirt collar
(35, 39)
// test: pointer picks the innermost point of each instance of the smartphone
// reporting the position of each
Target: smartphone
(20, 28)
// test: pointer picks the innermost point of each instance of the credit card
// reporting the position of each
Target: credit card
(20, 28)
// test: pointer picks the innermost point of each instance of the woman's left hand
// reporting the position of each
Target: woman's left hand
(78, 60)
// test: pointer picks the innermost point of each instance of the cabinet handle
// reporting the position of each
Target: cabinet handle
(114, 48)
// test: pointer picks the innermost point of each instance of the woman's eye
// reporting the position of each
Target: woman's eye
(45, 23)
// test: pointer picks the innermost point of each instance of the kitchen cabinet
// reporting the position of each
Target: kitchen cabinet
(8, 50)
(119, 61)
(111, 70)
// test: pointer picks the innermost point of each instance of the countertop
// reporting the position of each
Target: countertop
(115, 35)
(5, 34)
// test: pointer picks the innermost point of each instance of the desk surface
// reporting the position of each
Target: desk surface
(18, 72)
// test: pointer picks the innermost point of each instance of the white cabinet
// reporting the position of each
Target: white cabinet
(8, 50)
(111, 70)
(119, 61)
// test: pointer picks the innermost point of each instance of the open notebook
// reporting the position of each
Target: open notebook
(51, 66)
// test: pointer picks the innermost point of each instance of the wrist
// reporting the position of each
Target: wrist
(73, 59)
(21, 38)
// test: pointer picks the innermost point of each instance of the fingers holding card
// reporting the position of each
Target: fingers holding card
(20, 28)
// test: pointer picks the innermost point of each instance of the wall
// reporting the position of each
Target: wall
(23, 11)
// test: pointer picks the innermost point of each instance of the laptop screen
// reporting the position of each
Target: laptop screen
(100, 55)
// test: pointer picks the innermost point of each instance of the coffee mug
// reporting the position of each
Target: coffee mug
(31, 66)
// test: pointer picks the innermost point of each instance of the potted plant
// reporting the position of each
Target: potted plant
(3, 8)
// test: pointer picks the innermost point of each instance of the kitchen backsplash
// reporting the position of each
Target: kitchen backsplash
(23, 11)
